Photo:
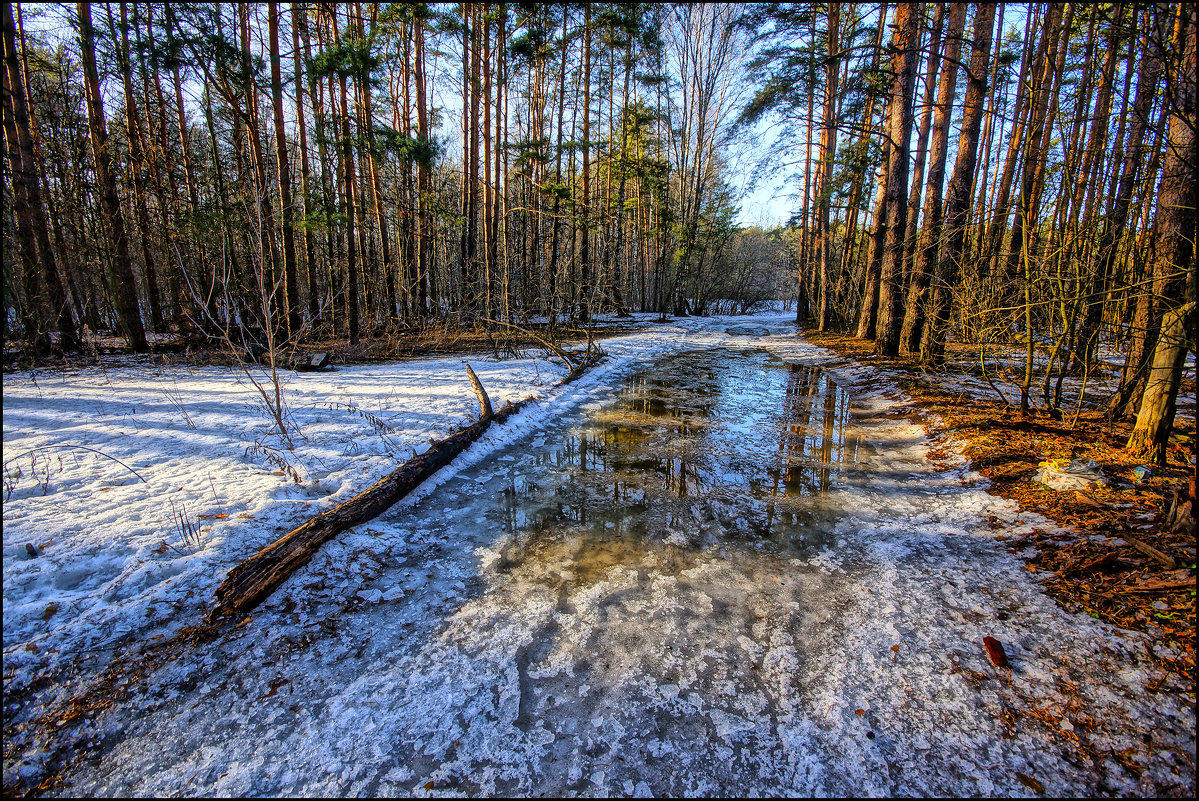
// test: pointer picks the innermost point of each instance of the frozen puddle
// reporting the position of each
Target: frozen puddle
(728, 580)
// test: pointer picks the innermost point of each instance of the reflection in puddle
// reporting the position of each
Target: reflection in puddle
(709, 449)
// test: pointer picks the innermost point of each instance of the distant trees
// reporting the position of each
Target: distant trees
(588, 174)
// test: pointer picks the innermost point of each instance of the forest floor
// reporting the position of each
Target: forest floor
(1111, 578)
(427, 338)
(420, 654)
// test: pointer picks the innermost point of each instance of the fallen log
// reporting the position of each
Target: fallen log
(257, 577)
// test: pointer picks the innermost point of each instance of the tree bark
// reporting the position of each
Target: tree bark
(903, 64)
(124, 284)
(957, 201)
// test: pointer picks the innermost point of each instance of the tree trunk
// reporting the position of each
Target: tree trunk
(283, 166)
(957, 201)
(1148, 76)
(868, 316)
(828, 158)
(928, 94)
(423, 218)
(903, 64)
(930, 236)
(995, 229)
(128, 313)
(585, 205)
(136, 163)
(297, 21)
(1175, 228)
(346, 151)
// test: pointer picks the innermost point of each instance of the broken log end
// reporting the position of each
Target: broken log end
(485, 410)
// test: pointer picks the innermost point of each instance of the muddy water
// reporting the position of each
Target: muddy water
(707, 449)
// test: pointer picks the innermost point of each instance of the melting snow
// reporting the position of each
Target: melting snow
(414, 655)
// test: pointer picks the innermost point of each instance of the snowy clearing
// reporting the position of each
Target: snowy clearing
(428, 653)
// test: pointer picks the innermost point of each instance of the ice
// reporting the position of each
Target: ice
(451, 641)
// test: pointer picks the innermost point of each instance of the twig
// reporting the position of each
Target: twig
(77, 447)
(550, 346)
(983, 364)
(1082, 393)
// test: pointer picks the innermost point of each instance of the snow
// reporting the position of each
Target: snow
(430, 652)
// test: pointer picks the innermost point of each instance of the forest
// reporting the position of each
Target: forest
(262, 174)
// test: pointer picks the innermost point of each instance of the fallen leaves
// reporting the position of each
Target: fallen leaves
(995, 651)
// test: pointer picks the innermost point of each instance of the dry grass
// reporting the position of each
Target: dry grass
(428, 338)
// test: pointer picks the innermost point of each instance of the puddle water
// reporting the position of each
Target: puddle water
(706, 449)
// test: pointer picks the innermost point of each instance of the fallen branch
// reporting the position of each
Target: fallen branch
(1150, 551)
(574, 364)
(257, 577)
(582, 367)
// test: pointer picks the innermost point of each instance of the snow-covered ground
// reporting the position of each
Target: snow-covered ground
(413, 655)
